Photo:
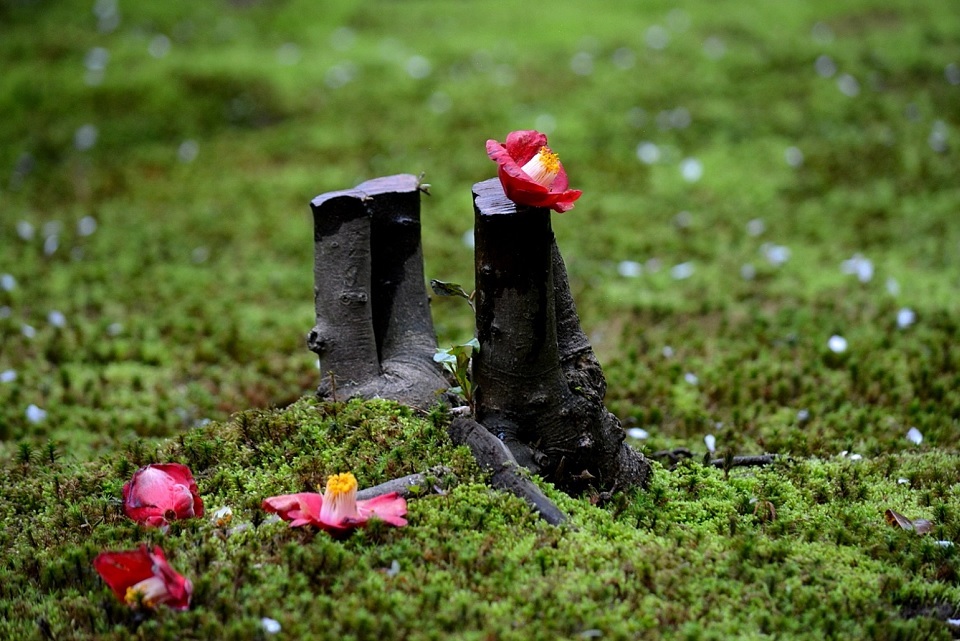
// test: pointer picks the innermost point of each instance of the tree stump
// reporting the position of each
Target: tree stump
(539, 387)
(374, 333)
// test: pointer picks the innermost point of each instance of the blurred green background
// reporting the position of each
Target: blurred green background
(757, 178)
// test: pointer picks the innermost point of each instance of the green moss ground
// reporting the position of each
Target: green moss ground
(185, 310)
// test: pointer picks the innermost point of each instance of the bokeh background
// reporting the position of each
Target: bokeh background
(765, 251)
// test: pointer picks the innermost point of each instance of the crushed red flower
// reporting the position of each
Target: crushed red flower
(161, 493)
(141, 578)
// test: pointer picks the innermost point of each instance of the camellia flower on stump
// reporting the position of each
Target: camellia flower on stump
(141, 578)
(337, 510)
(160, 493)
(531, 173)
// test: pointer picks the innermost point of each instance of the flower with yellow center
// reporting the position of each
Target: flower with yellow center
(340, 499)
(543, 167)
(337, 510)
(148, 592)
(530, 173)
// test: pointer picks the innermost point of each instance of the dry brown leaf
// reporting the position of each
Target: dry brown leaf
(920, 526)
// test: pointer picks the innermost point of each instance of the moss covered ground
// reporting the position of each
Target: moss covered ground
(766, 252)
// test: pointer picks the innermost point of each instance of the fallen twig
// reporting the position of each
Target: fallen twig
(406, 486)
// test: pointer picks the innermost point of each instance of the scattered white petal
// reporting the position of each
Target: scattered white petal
(222, 517)
(159, 46)
(342, 38)
(822, 33)
(288, 54)
(793, 156)
(944, 544)
(8, 283)
(714, 48)
(683, 219)
(667, 351)
(25, 230)
(860, 266)
(200, 255)
(825, 66)
(803, 415)
(638, 433)
(679, 118)
(86, 225)
(952, 73)
(848, 85)
(35, 414)
(893, 287)
(28, 331)
(855, 457)
(8, 376)
(418, 67)
(623, 58)
(837, 344)
(657, 37)
(756, 226)
(682, 271)
(57, 319)
(468, 239)
(582, 63)
(85, 137)
(711, 442)
(748, 271)
(938, 137)
(903, 481)
(187, 151)
(51, 244)
(96, 59)
(691, 169)
(591, 633)
(439, 102)
(914, 436)
(270, 626)
(394, 569)
(648, 153)
(776, 255)
(906, 317)
(629, 268)
(953, 622)
(691, 378)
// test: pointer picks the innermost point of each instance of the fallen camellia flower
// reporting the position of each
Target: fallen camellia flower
(144, 578)
(337, 510)
(531, 174)
(161, 493)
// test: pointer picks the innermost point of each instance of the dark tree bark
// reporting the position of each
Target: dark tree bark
(374, 333)
(539, 387)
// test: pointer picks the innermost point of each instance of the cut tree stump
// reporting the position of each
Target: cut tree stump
(374, 333)
(539, 387)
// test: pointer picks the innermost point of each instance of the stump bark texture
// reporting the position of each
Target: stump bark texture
(374, 332)
(539, 386)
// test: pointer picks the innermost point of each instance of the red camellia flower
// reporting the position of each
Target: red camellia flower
(161, 493)
(337, 510)
(531, 174)
(144, 578)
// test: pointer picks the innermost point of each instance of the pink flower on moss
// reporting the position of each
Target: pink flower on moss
(141, 578)
(337, 510)
(161, 493)
(531, 174)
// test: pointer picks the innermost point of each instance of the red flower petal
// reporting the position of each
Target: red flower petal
(162, 492)
(299, 509)
(124, 570)
(520, 148)
(387, 507)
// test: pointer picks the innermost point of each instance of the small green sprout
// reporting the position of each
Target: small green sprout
(456, 360)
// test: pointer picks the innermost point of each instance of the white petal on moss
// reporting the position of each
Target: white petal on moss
(711, 442)
(270, 626)
(914, 436)
(837, 344)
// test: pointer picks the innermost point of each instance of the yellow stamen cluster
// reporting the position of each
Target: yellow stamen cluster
(543, 167)
(341, 484)
(146, 592)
